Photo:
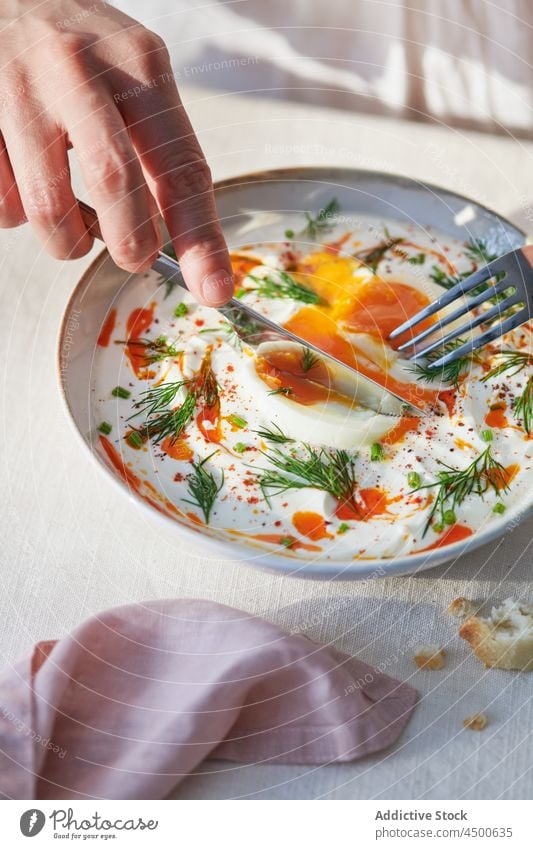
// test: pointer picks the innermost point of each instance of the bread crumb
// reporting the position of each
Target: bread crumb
(476, 721)
(461, 608)
(430, 657)
(504, 639)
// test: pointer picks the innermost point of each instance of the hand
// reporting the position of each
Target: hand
(79, 73)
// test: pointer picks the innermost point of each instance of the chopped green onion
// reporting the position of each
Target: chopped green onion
(438, 528)
(486, 435)
(499, 508)
(120, 392)
(287, 542)
(449, 517)
(240, 447)
(181, 310)
(105, 428)
(414, 479)
(135, 439)
(289, 234)
(238, 421)
(376, 452)
(343, 527)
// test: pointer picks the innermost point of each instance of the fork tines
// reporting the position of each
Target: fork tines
(518, 290)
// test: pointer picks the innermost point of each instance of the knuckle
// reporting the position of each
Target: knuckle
(46, 206)
(196, 177)
(112, 171)
(134, 250)
(186, 176)
(13, 89)
(146, 41)
(10, 217)
(69, 47)
(11, 212)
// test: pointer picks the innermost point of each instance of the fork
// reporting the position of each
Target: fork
(513, 276)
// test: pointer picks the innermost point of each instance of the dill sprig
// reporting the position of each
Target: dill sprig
(309, 359)
(161, 420)
(451, 372)
(329, 470)
(157, 398)
(155, 349)
(228, 330)
(523, 406)
(511, 361)
(170, 285)
(514, 362)
(205, 382)
(476, 250)
(323, 221)
(285, 287)
(283, 390)
(170, 423)
(454, 485)
(373, 256)
(447, 281)
(203, 487)
(275, 435)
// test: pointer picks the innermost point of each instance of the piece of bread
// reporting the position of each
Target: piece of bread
(505, 638)
(430, 657)
(476, 721)
(461, 608)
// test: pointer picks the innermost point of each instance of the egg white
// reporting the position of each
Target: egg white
(328, 423)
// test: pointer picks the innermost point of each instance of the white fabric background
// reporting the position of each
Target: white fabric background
(462, 62)
(73, 545)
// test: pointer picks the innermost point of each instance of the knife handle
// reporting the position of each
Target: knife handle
(90, 219)
(162, 263)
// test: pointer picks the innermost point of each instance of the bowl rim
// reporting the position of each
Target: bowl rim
(347, 570)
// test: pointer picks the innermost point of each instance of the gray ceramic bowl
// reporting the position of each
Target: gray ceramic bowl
(250, 208)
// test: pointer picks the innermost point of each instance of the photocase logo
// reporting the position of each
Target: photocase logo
(32, 822)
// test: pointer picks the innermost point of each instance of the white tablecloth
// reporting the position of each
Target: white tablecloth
(72, 545)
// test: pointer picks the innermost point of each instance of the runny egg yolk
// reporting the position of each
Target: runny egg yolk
(319, 327)
(378, 307)
(306, 382)
(350, 303)
(361, 303)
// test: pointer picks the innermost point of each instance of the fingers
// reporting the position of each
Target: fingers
(41, 170)
(114, 179)
(108, 144)
(11, 211)
(180, 180)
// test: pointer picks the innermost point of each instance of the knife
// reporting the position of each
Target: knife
(253, 329)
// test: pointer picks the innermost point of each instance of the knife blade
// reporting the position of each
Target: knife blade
(253, 329)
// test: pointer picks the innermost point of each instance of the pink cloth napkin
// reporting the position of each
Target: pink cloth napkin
(135, 698)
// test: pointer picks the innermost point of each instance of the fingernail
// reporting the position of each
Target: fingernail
(217, 288)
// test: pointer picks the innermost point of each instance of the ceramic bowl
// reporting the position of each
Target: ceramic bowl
(254, 205)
